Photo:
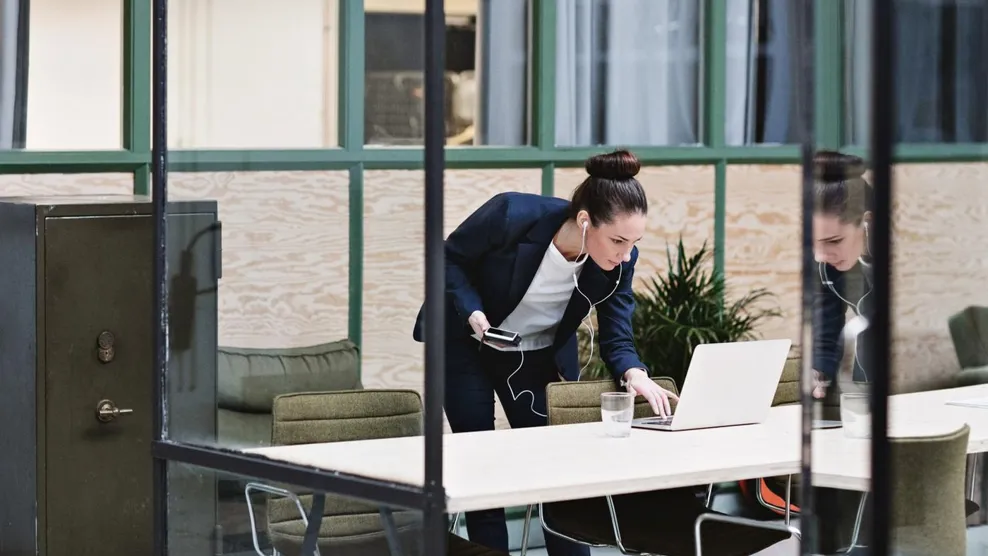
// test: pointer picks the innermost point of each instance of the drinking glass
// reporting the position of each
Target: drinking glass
(616, 411)
(855, 415)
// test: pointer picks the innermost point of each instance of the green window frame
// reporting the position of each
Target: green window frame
(135, 156)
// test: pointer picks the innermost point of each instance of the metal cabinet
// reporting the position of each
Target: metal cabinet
(76, 367)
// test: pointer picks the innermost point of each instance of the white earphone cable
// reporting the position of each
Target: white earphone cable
(583, 322)
(856, 307)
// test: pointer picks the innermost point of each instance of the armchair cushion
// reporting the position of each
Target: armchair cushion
(969, 332)
(250, 379)
(344, 415)
(972, 376)
(788, 389)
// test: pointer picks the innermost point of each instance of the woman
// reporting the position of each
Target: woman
(842, 216)
(537, 266)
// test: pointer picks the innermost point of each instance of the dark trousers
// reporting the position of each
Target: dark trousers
(473, 376)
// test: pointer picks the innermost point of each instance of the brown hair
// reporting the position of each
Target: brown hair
(611, 188)
(840, 189)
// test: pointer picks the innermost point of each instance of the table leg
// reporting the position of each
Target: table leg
(982, 476)
(858, 519)
(390, 531)
(526, 530)
(974, 475)
(311, 538)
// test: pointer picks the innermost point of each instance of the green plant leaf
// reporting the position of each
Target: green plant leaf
(682, 307)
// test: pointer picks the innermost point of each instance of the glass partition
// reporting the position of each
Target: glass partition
(486, 74)
(56, 95)
(253, 75)
(256, 350)
(216, 513)
(295, 287)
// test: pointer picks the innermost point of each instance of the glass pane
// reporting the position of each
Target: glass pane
(259, 300)
(61, 83)
(763, 71)
(844, 293)
(253, 74)
(487, 68)
(627, 72)
(215, 513)
(941, 72)
(940, 266)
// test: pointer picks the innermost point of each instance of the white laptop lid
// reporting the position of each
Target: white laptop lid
(731, 383)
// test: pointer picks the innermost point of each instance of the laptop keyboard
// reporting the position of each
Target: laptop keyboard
(657, 420)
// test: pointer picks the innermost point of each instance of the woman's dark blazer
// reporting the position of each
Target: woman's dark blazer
(491, 259)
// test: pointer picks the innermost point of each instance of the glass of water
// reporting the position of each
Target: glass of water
(616, 411)
(855, 415)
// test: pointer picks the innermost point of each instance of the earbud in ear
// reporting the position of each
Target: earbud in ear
(585, 224)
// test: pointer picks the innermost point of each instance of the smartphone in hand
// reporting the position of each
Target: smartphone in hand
(498, 338)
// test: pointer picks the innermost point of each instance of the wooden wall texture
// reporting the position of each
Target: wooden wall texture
(286, 240)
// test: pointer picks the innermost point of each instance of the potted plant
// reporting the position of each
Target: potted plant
(681, 308)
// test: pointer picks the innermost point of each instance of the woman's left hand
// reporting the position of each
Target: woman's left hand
(638, 382)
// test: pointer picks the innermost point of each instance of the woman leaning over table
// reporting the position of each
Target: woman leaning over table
(842, 218)
(537, 265)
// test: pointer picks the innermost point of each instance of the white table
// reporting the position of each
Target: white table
(845, 463)
(546, 464)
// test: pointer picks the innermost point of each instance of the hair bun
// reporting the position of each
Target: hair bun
(831, 166)
(618, 165)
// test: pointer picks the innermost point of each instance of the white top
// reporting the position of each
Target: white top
(538, 314)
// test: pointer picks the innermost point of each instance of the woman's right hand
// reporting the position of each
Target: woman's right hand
(478, 321)
(820, 384)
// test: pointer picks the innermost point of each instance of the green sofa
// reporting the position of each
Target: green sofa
(249, 379)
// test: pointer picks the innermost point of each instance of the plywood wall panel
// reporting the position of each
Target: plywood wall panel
(762, 250)
(285, 254)
(941, 263)
(19, 185)
(286, 249)
(394, 278)
(680, 202)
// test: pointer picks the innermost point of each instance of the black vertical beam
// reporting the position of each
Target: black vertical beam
(804, 26)
(159, 199)
(435, 277)
(19, 123)
(883, 135)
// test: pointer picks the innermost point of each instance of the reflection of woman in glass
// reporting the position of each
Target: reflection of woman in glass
(842, 214)
(843, 207)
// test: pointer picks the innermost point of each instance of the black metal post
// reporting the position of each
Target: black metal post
(159, 201)
(23, 55)
(882, 147)
(805, 96)
(434, 520)
(235, 462)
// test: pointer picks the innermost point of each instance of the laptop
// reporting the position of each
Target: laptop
(728, 384)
